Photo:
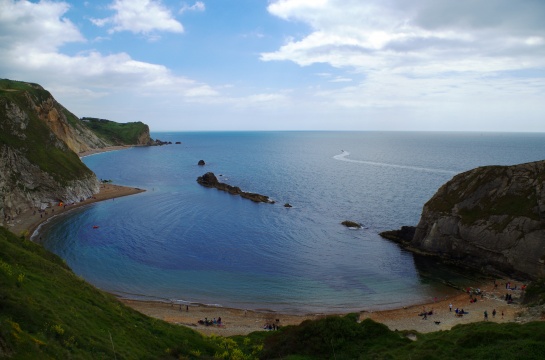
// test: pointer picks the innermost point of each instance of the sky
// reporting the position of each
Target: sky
(351, 65)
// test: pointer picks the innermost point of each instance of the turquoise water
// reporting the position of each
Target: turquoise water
(183, 242)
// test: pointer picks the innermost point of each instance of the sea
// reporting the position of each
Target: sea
(183, 243)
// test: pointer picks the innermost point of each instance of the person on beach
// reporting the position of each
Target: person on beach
(494, 313)
(450, 307)
(485, 315)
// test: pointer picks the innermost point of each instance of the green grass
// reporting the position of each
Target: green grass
(333, 338)
(344, 338)
(483, 340)
(116, 133)
(484, 179)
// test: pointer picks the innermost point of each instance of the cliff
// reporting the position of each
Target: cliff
(491, 218)
(37, 166)
(39, 142)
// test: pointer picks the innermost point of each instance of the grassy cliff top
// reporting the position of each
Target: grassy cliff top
(492, 190)
(117, 133)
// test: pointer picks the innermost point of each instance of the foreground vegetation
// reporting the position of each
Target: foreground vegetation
(46, 311)
(344, 338)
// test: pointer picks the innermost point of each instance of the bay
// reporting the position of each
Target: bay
(182, 242)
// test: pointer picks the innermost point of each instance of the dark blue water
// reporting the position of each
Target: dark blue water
(184, 242)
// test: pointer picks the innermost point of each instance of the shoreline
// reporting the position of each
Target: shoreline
(83, 154)
(29, 221)
(242, 321)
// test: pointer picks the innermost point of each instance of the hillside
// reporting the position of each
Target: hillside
(134, 133)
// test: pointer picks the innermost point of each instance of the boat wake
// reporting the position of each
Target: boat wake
(343, 156)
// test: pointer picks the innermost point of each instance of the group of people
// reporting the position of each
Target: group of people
(425, 313)
(514, 287)
(493, 314)
(207, 322)
(272, 326)
(460, 312)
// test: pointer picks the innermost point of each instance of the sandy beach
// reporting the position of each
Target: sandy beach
(241, 322)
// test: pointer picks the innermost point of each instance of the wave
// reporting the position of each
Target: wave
(344, 157)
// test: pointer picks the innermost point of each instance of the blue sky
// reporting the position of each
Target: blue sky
(451, 65)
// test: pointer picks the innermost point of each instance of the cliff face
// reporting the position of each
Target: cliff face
(490, 217)
(66, 126)
(38, 165)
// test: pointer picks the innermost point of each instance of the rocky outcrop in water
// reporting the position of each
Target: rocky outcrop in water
(490, 218)
(210, 180)
(351, 224)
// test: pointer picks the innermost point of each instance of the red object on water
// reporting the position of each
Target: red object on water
(95, 227)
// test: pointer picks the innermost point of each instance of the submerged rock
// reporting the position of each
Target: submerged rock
(201, 163)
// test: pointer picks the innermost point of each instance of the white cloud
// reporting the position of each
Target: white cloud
(140, 16)
(31, 36)
(415, 37)
(198, 6)
(444, 64)
(35, 27)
